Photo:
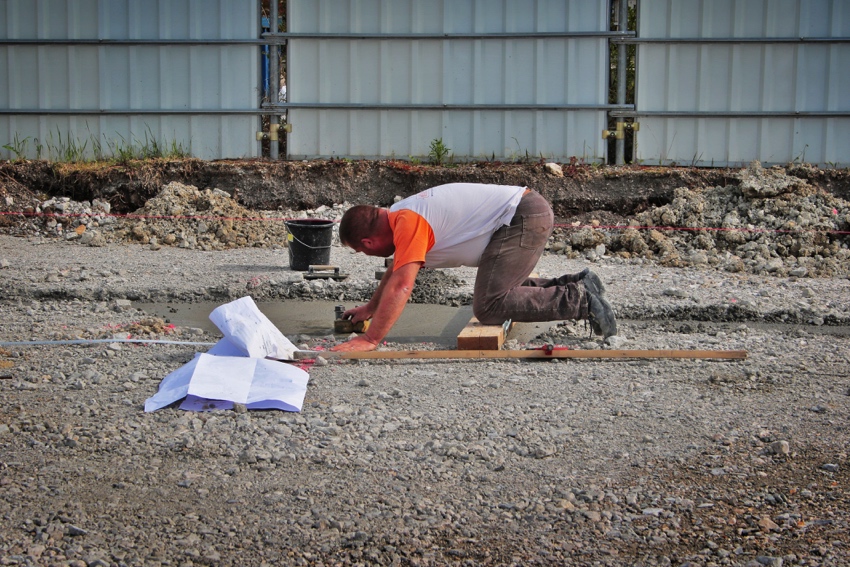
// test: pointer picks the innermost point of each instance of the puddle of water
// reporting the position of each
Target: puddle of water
(418, 322)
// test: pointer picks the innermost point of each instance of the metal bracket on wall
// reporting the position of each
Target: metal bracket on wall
(273, 133)
(620, 132)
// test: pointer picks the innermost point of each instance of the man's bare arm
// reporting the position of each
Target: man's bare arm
(395, 289)
(364, 312)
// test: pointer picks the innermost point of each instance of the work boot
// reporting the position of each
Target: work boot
(590, 279)
(592, 282)
(599, 312)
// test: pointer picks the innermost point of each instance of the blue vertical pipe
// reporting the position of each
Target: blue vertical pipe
(622, 61)
(274, 80)
(265, 54)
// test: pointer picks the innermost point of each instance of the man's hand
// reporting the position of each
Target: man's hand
(359, 343)
(357, 314)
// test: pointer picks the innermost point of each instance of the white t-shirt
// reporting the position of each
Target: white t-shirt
(463, 217)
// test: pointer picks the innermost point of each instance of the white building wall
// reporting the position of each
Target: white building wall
(741, 77)
(498, 71)
(145, 79)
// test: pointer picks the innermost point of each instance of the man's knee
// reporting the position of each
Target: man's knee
(487, 313)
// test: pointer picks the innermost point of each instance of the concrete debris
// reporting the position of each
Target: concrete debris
(770, 223)
(209, 219)
(554, 169)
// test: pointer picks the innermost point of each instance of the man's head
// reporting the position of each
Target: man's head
(366, 229)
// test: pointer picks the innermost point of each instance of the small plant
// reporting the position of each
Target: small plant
(151, 148)
(128, 150)
(122, 153)
(18, 147)
(801, 157)
(438, 152)
(69, 150)
(96, 145)
(66, 148)
(696, 159)
(520, 155)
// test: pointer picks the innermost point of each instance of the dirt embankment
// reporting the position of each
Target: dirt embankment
(781, 221)
(266, 185)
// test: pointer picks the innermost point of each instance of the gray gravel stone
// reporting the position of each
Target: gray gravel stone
(434, 462)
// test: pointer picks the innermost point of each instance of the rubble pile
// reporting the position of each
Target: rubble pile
(63, 217)
(770, 223)
(180, 215)
(209, 219)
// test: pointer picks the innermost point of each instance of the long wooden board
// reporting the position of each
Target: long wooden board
(530, 354)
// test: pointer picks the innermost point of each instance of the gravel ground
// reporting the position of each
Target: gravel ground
(574, 462)
(579, 462)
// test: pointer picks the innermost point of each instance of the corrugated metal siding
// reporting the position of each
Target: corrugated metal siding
(744, 77)
(130, 77)
(555, 71)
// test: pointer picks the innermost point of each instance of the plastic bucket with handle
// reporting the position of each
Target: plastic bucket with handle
(309, 242)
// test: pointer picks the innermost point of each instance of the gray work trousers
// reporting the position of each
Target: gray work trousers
(503, 289)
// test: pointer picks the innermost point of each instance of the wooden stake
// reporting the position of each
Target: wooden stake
(529, 354)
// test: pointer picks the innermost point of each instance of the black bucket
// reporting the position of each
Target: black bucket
(309, 243)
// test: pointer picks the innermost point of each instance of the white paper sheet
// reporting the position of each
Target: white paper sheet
(236, 369)
(249, 329)
(191, 403)
(173, 387)
(225, 347)
(223, 378)
(249, 381)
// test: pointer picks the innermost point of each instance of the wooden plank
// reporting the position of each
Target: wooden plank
(476, 336)
(529, 354)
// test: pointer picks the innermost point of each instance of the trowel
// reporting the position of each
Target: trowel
(322, 272)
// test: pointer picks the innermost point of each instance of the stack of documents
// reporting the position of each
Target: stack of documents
(241, 368)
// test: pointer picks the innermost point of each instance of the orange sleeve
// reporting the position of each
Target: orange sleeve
(412, 235)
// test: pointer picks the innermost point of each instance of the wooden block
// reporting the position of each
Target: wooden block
(476, 336)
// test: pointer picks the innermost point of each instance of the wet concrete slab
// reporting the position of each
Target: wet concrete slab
(418, 323)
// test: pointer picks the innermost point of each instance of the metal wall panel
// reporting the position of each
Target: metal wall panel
(404, 71)
(145, 78)
(744, 77)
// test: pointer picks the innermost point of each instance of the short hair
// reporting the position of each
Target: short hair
(358, 222)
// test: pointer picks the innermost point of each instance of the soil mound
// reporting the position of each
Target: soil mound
(768, 222)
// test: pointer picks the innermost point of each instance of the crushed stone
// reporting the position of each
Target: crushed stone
(648, 462)
(771, 223)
